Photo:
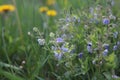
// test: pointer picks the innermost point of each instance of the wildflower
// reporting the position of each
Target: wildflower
(115, 77)
(95, 16)
(112, 17)
(112, 3)
(52, 34)
(106, 46)
(35, 29)
(64, 36)
(59, 40)
(85, 26)
(94, 62)
(50, 2)
(6, 8)
(89, 47)
(105, 52)
(91, 10)
(51, 13)
(115, 34)
(118, 43)
(53, 48)
(21, 67)
(29, 33)
(23, 62)
(43, 9)
(80, 55)
(74, 19)
(115, 47)
(65, 48)
(98, 8)
(68, 19)
(106, 21)
(78, 20)
(41, 41)
(58, 55)
(89, 44)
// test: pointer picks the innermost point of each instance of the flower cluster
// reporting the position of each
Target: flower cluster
(88, 38)
(60, 47)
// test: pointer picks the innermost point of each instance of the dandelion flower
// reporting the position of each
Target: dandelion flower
(50, 2)
(51, 13)
(6, 8)
(43, 9)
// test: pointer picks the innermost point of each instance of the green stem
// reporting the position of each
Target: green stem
(3, 38)
(88, 76)
(18, 20)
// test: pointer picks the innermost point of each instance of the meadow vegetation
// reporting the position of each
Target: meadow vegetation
(59, 40)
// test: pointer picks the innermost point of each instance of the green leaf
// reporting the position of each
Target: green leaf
(10, 76)
(108, 76)
(111, 57)
(39, 78)
(9, 66)
(111, 60)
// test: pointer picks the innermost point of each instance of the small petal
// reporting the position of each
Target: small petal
(105, 52)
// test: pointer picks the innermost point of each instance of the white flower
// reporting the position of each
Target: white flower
(29, 33)
(52, 34)
(35, 29)
(41, 41)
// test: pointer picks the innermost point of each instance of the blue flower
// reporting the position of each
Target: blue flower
(115, 47)
(106, 46)
(105, 52)
(64, 49)
(89, 44)
(59, 40)
(74, 19)
(118, 43)
(89, 47)
(80, 55)
(68, 19)
(57, 55)
(115, 34)
(106, 21)
(78, 20)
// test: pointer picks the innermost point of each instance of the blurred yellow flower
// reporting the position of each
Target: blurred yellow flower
(50, 2)
(6, 8)
(43, 9)
(51, 13)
